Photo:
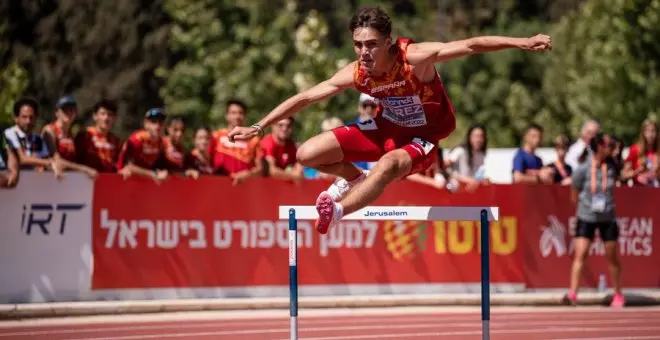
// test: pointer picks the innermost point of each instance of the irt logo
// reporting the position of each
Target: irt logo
(41, 215)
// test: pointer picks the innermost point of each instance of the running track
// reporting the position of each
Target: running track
(420, 323)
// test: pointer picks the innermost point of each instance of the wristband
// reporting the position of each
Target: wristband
(260, 131)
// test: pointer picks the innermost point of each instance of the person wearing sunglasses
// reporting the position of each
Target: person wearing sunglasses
(593, 184)
(143, 153)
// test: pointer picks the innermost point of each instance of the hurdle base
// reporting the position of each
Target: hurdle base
(294, 328)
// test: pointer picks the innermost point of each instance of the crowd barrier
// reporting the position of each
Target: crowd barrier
(78, 239)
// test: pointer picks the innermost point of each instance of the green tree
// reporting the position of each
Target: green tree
(263, 53)
(499, 89)
(13, 82)
(258, 52)
(93, 49)
(606, 66)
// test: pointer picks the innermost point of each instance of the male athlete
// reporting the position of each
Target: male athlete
(414, 111)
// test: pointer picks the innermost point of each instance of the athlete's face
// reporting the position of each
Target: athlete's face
(371, 49)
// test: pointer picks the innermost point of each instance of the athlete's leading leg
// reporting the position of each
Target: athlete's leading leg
(394, 165)
(398, 163)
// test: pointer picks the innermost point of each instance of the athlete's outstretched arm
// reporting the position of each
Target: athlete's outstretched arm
(434, 52)
(339, 82)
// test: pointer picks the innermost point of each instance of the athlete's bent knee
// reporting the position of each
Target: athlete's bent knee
(392, 166)
(306, 155)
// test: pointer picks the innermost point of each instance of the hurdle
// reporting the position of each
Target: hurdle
(394, 213)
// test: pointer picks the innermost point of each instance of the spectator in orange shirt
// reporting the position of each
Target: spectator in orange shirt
(242, 159)
(199, 155)
(57, 136)
(178, 159)
(96, 146)
(143, 152)
(279, 151)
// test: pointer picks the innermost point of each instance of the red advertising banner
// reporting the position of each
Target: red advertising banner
(549, 224)
(208, 233)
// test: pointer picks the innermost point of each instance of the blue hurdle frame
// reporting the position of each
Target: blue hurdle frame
(293, 273)
(485, 274)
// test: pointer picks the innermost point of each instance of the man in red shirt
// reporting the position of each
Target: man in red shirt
(57, 136)
(178, 159)
(240, 160)
(414, 111)
(96, 146)
(143, 152)
(279, 151)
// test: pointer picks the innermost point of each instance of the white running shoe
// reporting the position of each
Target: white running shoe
(341, 187)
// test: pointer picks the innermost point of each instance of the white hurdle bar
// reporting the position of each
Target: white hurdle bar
(394, 213)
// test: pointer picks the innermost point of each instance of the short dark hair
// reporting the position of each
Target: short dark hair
(203, 127)
(372, 17)
(237, 102)
(177, 119)
(534, 126)
(107, 104)
(26, 101)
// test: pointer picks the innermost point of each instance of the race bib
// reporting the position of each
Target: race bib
(426, 146)
(598, 203)
(404, 111)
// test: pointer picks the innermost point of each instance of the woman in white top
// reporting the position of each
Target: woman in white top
(467, 160)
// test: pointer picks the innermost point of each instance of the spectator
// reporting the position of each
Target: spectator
(366, 107)
(588, 131)
(200, 153)
(241, 160)
(10, 179)
(143, 152)
(279, 151)
(467, 160)
(178, 159)
(96, 146)
(57, 135)
(527, 166)
(643, 156)
(366, 111)
(617, 158)
(562, 171)
(593, 193)
(29, 148)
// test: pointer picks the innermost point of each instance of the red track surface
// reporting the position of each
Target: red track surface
(527, 324)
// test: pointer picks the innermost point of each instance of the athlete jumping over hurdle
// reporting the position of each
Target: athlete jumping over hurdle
(413, 114)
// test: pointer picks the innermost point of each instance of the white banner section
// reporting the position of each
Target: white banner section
(46, 233)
